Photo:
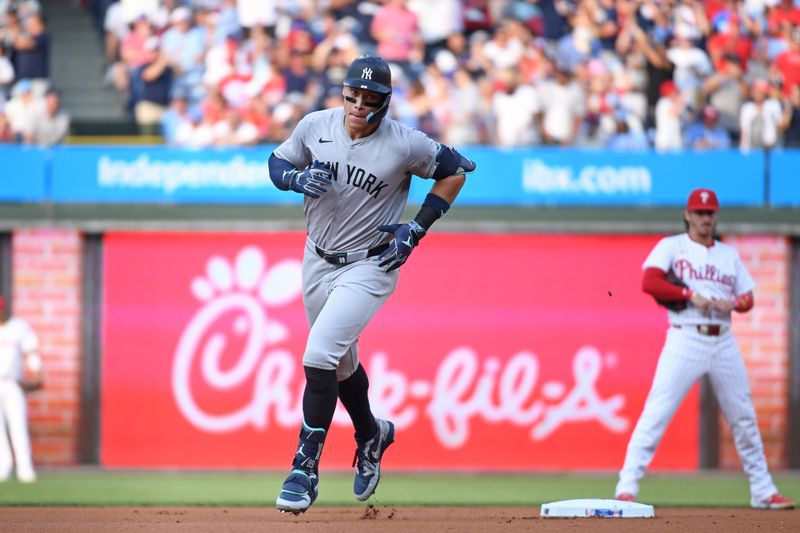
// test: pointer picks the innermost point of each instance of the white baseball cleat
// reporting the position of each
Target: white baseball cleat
(776, 501)
(26, 477)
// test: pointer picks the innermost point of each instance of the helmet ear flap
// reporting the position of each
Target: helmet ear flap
(377, 115)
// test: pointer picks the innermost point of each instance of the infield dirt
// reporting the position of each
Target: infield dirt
(381, 519)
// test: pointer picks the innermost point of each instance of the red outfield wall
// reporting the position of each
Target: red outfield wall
(496, 352)
(502, 321)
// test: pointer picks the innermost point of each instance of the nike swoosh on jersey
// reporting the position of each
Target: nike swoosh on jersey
(321, 140)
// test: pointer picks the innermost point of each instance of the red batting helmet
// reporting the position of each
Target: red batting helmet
(702, 200)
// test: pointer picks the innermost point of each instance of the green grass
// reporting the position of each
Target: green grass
(98, 487)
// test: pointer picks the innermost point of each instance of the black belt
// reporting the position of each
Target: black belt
(712, 330)
(343, 258)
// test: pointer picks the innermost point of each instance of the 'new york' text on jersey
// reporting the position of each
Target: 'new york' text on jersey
(371, 176)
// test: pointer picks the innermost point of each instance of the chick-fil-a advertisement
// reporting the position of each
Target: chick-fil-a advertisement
(496, 352)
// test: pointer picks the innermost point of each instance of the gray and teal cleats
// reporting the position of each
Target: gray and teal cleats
(300, 488)
(368, 459)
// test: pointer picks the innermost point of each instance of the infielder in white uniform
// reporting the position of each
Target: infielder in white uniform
(18, 349)
(354, 166)
(699, 341)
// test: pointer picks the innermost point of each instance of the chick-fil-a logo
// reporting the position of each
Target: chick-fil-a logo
(464, 387)
(246, 286)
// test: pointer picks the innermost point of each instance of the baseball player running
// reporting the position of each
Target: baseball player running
(699, 341)
(354, 166)
(18, 348)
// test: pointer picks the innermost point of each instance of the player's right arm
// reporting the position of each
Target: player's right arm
(311, 180)
(654, 281)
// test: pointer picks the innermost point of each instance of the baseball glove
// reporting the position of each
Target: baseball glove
(674, 305)
(31, 384)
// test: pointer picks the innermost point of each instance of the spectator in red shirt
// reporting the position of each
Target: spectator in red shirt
(712, 7)
(730, 42)
(781, 15)
(788, 63)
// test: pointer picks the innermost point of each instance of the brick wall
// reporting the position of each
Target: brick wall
(763, 336)
(46, 266)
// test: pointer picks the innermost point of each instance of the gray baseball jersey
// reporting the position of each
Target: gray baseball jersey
(371, 177)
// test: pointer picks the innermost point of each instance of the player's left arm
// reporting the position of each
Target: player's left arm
(742, 301)
(450, 175)
(741, 304)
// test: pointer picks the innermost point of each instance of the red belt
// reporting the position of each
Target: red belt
(712, 330)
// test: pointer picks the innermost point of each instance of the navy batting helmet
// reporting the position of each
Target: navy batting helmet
(371, 73)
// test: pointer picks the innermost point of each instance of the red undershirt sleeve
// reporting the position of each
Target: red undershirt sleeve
(655, 284)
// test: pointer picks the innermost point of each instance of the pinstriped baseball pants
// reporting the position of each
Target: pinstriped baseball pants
(686, 357)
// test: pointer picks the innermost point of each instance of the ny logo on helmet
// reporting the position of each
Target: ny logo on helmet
(704, 196)
(366, 74)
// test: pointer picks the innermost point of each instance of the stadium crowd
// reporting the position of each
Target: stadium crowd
(624, 74)
(30, 107)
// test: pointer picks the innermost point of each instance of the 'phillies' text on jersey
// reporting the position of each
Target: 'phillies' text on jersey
(684, 269)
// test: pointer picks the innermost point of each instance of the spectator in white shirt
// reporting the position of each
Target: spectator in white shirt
(227, 59)
(262, 13)
(464, 121)
(51, 123)
(760, 119)
(116, 28)
(505, 49)
(437, 19)
(669, 116)
(21, 111)
(515, 107)
(563, 103)
(692, 65)
(132, 9)
(234, 131)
